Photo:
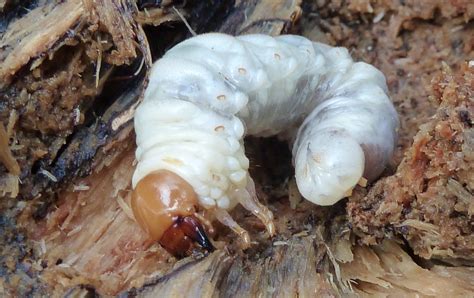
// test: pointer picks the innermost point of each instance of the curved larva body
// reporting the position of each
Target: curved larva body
(209, 91)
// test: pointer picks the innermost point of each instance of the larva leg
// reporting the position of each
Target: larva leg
(224, 217)
(248, 199)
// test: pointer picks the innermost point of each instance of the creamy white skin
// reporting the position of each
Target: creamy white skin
(209, 91)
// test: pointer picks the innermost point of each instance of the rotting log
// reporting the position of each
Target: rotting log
(292, 271)
(88, 241)
(55, 64)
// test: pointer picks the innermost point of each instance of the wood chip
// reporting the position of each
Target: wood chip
(362, 182)
(6, 156)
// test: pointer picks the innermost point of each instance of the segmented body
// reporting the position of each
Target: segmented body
(209, 91)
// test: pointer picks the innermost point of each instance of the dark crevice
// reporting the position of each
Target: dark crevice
(202, 21)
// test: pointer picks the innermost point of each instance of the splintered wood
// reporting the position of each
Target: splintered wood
(35, 34)
(388, 270)
(91, 240)
(9, 184)
(290, 271)
(6, 156)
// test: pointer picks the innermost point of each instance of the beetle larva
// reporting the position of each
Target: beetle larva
(209, 91)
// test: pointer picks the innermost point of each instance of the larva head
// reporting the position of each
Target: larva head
(163, 205)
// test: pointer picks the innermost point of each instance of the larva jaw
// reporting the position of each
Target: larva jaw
(180, 237)
(163, 204)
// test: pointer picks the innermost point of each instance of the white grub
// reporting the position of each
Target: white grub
(48, 174)
(223, 217)
(263, 86)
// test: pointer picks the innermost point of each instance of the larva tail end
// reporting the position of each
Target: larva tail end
(327, 167)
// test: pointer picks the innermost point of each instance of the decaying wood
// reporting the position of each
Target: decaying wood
(91, 239)
(36, 34)
(266, 17)
(294, 269)
(156, 17)
(45, 29)
(64, 126)
(55, 62)
(290, 270)
(6, 156)
(388, 270)
(62, 78)
(89, 242)
(428, 201)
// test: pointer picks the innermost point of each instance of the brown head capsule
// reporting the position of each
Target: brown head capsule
(163, 205)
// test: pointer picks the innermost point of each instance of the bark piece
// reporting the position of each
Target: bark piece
(36, 34)
(55, 62)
